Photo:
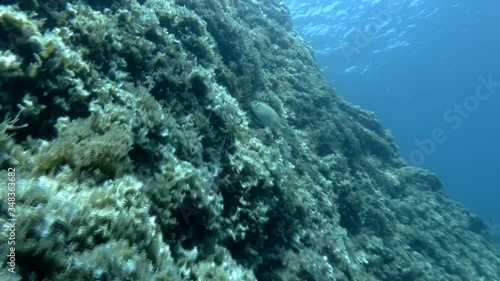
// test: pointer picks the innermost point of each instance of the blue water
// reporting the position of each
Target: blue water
(422, 67)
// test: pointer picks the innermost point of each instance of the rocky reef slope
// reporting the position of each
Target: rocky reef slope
(137, 156)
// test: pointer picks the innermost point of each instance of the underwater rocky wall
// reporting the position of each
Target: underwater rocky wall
(129, 150)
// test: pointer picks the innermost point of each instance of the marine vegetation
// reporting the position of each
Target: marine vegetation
(136, 155)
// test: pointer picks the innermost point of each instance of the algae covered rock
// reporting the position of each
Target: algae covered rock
(137, 155)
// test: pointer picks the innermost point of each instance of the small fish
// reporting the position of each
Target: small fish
(267, 115)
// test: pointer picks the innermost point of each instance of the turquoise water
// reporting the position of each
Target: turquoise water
(430, 70)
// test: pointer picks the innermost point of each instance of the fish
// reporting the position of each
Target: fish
(267, 115)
